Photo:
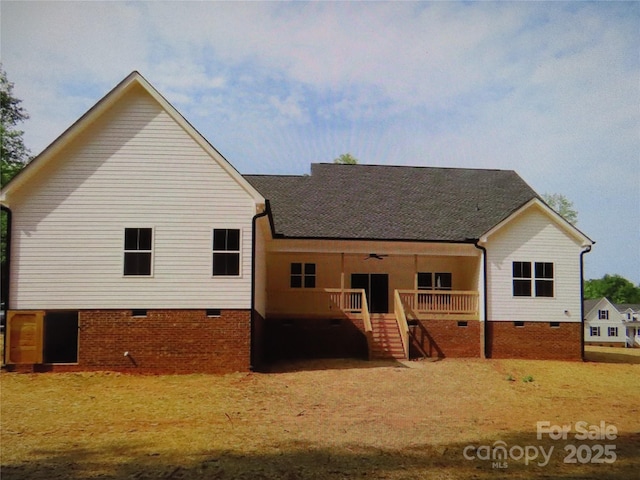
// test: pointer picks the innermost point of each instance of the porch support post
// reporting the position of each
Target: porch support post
(342, 281)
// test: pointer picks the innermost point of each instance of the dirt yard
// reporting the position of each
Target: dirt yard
(338, 419)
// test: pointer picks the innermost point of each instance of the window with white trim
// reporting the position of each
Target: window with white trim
(612, 332)
(303, 275)
(138, 250)
(434, 281)
(226, 252)
(536, 282)
(603, 314)
(594, 331)
(521, 279)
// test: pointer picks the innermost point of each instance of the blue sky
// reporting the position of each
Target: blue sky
(550, 90)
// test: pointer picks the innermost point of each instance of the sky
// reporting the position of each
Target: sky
(550, 90)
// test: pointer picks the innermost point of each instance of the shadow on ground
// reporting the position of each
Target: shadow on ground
(299, 460)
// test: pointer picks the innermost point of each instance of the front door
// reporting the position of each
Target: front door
(376, 287)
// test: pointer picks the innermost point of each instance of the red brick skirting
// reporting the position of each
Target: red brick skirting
(163, 341)
(445, 338)
(534, 340)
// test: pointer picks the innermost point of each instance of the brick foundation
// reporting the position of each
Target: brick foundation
(444, 338)
(534, 340)
(287, 339)
(163, 341)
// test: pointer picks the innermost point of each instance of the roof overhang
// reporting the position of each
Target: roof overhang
(133, 80)
(557, 219)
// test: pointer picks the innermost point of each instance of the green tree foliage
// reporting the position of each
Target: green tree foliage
(616, 288)
(13, 153)
(562, 205)
(346, 159)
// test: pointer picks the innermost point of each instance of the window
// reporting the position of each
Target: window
(213, 312)
(603, 314)
(594, 331)
(613, 332)
(139, 312)
(554, 324)
(522, 279)
(303, 275)
(544, 279)
(137, 251)
(434, 281)
(226, 252)
(518, 324)
(463, 323)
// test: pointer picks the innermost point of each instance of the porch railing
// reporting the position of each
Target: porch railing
(401, 320)
(440, 302)
(353, 300)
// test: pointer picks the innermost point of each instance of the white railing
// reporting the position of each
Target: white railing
(441, 302)
(401, 320)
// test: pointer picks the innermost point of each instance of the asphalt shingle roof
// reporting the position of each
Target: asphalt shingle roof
(377, 202)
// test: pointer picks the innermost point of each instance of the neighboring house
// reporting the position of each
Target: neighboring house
(610, 324)
(135, 245)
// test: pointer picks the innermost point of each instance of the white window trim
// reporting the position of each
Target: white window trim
(152, 251)
(212, 251)
(533, 279)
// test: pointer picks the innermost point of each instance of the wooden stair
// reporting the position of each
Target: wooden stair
(387, 343)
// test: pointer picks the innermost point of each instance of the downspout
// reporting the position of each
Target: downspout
(7, 270)
(483, 342)
(252, 334)
(582, 253)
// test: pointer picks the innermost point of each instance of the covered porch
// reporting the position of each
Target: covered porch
(386, 295)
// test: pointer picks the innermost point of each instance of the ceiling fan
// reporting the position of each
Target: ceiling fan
(375, 256)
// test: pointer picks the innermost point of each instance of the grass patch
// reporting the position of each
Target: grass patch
(315, 420)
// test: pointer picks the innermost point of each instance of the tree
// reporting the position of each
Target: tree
(616, 288)
(346, 159)
(13, 156)
(562, 205)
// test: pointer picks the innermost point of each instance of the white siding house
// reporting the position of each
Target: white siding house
(606, 323)
(550, 250)
(131, 234)
(132, 162)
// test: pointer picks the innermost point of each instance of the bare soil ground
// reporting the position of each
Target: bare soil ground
(333, 419)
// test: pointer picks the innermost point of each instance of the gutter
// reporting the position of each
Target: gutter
(7, 270)
(483, 343)
(582, 253)
(254, 222)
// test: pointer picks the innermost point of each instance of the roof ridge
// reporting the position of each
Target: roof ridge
(411, 166)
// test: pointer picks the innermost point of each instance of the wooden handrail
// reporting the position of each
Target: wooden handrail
(441, 301)
(401, 320)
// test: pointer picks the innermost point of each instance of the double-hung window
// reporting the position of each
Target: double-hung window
(544, 279)
(434, 281)
(603, 314)
(537, 281)
(594, 331)
(303, 275)
(521, 279)
(612, 331)
(138, 250)
(226, 252)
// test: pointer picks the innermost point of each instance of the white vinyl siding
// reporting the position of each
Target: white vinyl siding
(604, 316)
(135, 166)
(533, 237)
